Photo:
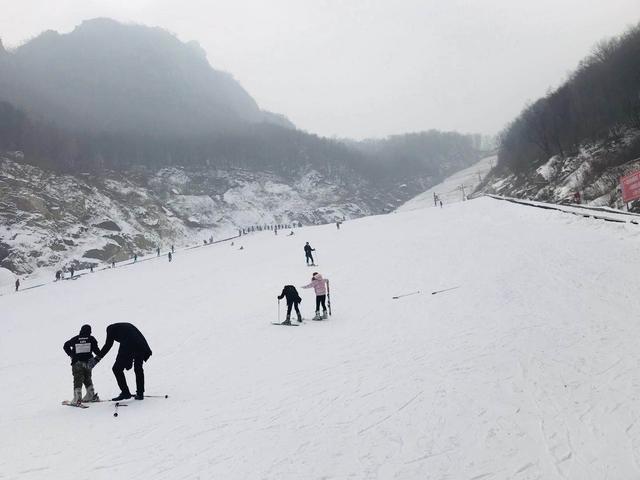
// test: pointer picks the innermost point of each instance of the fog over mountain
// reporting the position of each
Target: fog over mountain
(108, 77)
(126, 124)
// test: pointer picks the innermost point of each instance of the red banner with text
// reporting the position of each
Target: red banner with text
(630, 187)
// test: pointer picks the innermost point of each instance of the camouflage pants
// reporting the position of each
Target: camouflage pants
(81, 375)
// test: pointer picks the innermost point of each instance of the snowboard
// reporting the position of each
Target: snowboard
(71, 404)
(286, 324)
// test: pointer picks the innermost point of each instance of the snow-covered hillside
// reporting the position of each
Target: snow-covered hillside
(51, 220)
(449, 190)
(528, 370)
(594, 171)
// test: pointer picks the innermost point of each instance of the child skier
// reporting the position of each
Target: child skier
(81, 349)
(319, 284)
(293, 300)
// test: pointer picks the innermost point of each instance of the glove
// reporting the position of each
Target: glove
(92, 362)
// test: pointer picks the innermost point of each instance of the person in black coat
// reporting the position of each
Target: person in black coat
(307, 253)
(81, 349)
(293, 299)
(133, 351)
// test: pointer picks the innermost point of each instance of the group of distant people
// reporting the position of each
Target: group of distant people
(60, 274)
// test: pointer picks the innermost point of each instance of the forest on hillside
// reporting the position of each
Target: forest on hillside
(599, 101)
(258, 147)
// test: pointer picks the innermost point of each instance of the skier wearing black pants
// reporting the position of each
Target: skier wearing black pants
(307, 253)
(81, 349)
(133, 351)
(319, 285)
(293, 299)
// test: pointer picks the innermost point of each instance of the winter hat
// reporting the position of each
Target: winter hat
(85, 330)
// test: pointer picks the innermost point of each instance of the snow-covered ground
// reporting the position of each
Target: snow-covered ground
(528, 370)
(449, 190)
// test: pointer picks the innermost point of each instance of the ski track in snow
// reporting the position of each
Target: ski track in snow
(527, 371)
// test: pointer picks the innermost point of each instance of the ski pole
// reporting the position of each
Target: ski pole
(328, 298)
(278, 310)
(118, 404)
(405, 295)
(445, 290)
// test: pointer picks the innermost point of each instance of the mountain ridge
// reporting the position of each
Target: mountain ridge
(114, 77)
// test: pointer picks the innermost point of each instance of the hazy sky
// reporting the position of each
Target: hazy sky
(365, 68)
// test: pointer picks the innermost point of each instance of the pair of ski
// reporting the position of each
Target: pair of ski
(69, 403)
(296, 324)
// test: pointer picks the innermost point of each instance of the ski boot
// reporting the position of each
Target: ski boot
(77, 396)
(91, 395)
(299, 318)
(139, 396)
(324, 315)
(317, 316)
(287, 320)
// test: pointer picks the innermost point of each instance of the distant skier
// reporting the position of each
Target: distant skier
(291, 233)
(338, 225)
(113, 264)
(72, 271)
(440, 203)
(158, 251)
(173, 250)
(135, 257)
(308, 255)
(81, 349)
(170, 255)
(91, 268)
(319, 285)
(293, 300)
(576, 197)
(275, 231)
(58, 275)
(17, 284)
(133, 351)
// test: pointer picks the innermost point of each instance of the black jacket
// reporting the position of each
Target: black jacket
(291, 293)
(308, 249)
(132, 342)
(81, 348)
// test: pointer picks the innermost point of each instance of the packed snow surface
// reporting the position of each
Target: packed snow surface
(528, 370)
(449, 190)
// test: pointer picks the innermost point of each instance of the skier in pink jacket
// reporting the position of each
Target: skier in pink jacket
(319, 285)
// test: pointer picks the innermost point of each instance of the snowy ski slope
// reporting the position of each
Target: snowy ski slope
(528, 370)
(449, 189)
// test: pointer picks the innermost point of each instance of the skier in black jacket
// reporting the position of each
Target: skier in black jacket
(307, 253)
(133, 350)
(293, 299)
(81, 349)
